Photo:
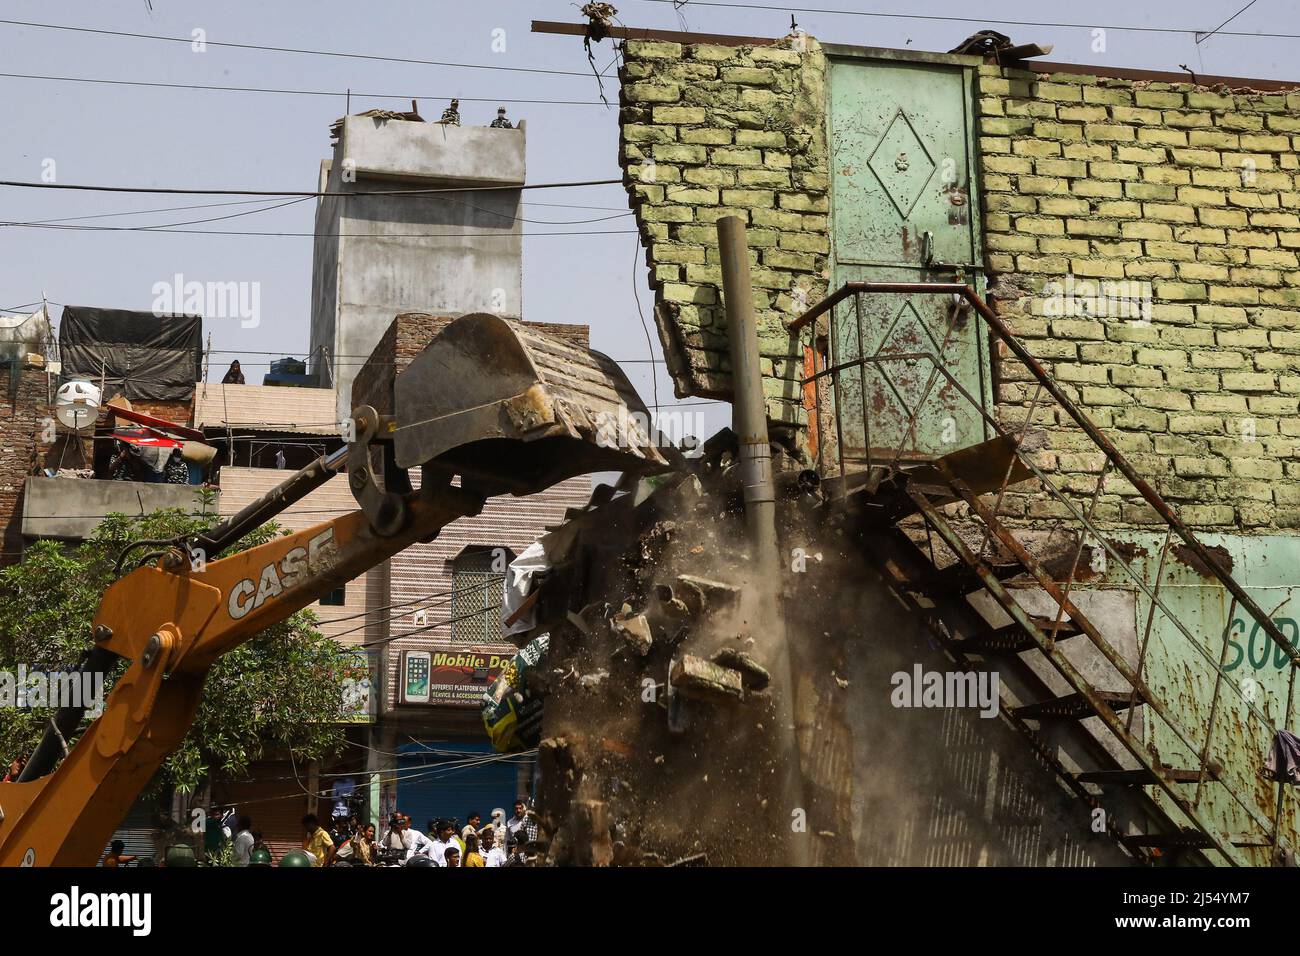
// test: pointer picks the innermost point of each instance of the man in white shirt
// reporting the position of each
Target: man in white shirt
(401, 836)
(243, 842)
(442, 838)
(516, 831)
(493, 854)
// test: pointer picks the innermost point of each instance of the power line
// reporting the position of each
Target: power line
(250, 202)
(190, 40)
(159, 227)
(980, 20)
(20, 308)
(265, 208)
(1202, 37)
(341, 94)
(142, 212)
(316, 235)
(171, 190)
(358, 355)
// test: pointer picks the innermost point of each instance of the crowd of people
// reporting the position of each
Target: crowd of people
(502, 841)
(350, 841)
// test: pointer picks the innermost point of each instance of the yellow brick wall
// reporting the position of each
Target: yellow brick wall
(708, 131)
(1142, 240)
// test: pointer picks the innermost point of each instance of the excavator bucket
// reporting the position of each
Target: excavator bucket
(517, 409)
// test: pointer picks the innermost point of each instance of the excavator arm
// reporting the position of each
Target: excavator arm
(172, 622)
(520, 426)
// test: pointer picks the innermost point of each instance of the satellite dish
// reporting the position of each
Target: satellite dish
(76, 404)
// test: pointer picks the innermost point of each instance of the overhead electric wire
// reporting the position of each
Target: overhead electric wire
(460, 202)
(420, 630)
(1202, 37)
(353, 355)
(341, 94)
(190, 40)
(442, 600)
(318, 235)
(20, 308)
(157, 227)
(185, 191)
(142, 212)
(785, 9)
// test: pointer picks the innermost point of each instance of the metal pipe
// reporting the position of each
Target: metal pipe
(748, 409)
(291, 490)
(749, 421)
(63, 725)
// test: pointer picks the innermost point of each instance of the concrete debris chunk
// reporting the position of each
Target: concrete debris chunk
(593, 680)
(753, 675)
(634, 629)
(715, 593)
(673, 607)
(696, 678)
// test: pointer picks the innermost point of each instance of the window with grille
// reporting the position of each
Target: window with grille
(477, 579)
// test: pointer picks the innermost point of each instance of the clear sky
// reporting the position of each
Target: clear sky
(173, 137)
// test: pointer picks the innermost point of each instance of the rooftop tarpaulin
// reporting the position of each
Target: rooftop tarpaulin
(139, 354)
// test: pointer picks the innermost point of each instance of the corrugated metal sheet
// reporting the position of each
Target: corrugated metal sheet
(266, 408)
(137, 831)
(1183, 670)
(275, 801)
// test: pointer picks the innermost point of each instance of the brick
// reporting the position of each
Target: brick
(652, 92)
(688, 115)
(1249, 381)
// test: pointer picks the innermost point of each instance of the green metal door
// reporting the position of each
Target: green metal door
(904, 209)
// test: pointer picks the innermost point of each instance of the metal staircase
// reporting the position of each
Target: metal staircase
(1169, 773)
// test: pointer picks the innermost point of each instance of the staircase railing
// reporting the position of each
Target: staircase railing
(827, 371)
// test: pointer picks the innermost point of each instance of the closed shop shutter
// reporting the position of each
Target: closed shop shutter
(442, 778)
(137, 831)
(272, 797)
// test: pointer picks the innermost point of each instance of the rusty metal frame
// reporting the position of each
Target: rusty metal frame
(1066, 669)
(995, 530)
(1000, 330)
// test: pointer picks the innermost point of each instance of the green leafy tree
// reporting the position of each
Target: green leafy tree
(283, 688)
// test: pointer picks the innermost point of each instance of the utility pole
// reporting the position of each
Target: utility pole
(749, 422)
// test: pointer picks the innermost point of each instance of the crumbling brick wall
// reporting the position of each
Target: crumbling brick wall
(1142, 239)
(710, 131)
(24, 408)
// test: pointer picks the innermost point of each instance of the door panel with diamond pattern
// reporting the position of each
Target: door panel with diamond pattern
(904, 209)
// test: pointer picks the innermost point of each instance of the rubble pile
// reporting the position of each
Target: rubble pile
(658, 743)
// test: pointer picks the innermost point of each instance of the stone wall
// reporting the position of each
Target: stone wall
(710, 131)
(1142, 240)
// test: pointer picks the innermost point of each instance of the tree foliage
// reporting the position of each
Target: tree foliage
(281, 689)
